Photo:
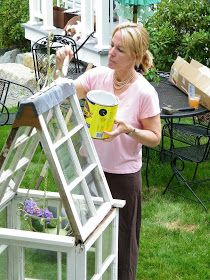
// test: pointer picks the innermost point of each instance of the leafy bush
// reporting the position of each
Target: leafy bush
(180, 27)
(12, 14)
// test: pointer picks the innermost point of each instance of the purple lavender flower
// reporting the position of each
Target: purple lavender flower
(38, 212)
(47, 215)
(30, 206)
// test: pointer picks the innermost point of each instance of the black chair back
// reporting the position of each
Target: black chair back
(16, 92)
(4, 114)
(39, 53)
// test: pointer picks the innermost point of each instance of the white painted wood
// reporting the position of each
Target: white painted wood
(37, 240)
(81, 262)
(13, 175)
(98, 254)
(87, 18)
(21, 263)
(39, 25)
(3, 248)
(71, 264)
(9, 195)
(103, 23)
(81, 231)
(41, 11)
(88, 229)
(47, 14)
(118, 203)
(115, 233)
(34, 8)
(101, 227)
(59, 266)
(68, 135)
(75, 161)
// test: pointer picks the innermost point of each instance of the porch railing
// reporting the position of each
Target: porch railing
(95, 15)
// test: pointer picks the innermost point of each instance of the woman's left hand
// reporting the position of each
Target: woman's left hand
(119, 128)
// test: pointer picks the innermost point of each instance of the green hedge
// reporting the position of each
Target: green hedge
(180, 27)
(12, 14)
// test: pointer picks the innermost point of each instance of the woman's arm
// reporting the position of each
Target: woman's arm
(149, 135)
(61, 55)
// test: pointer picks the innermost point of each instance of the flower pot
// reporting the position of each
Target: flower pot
(60, 18)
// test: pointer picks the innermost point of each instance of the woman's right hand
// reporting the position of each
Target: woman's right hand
(61, 54)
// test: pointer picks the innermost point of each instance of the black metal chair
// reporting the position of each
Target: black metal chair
(175, 133)
(189, 134)
(4, 114)
(19, 92)
(189, 143)
(39, 53)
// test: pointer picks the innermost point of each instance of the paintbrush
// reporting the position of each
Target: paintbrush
(168, 110)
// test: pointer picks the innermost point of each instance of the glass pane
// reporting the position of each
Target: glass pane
(42, 264)
(107, 274)
(22, 149)
(53, 120)
(81, 202)
(68, 114)
(53, 126)
(66, 162)
(3, 218)
(91, 259)
(81, 151)
(95, 184)
(76, 117)
(3, 263)
(107, 242)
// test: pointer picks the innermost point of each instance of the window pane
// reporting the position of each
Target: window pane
(3, 263)
(66, 162)
(107, 242)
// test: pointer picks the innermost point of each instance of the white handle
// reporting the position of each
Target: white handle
(65, 66)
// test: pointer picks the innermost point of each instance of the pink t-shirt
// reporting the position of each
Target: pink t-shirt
(123, 154)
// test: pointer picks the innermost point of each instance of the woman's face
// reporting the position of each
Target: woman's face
(118, 59)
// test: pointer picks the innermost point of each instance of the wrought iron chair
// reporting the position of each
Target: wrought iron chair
(4, 114)
(190, 143)
(186, 133)
(39, 53)
(18, 92)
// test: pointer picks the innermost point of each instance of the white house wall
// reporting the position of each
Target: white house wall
(92, 11)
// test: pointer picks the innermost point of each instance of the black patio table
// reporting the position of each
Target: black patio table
(170, 95)
(197, 152)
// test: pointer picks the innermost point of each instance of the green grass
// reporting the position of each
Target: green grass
(175, 233)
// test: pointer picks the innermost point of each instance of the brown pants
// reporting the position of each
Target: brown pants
(127, 187)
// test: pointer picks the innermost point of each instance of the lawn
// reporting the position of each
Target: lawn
(175, 235)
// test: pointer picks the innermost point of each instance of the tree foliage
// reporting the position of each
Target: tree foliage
(180, 27)
(12, 14)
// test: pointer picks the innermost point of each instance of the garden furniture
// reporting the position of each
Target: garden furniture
(18, 92)
(194, 137)
(44, 50)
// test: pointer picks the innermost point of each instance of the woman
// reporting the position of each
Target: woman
(137, 124)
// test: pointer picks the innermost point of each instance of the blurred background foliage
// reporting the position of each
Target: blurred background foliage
(12, 14)
(180, 27)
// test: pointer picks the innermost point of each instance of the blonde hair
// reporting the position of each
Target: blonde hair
(135, 40)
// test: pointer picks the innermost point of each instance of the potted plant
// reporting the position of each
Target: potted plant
(41, 218)
(60, 18)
